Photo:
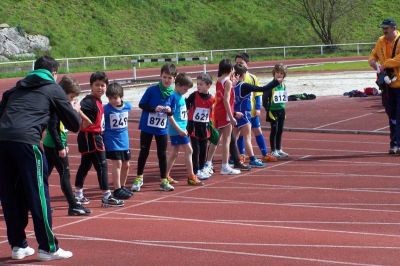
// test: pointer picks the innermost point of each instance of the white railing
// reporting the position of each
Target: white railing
(106, 62)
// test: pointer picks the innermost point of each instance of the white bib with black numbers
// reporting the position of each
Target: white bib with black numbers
(158, 120)
(201, 115)
(119, 120)
(280, 97)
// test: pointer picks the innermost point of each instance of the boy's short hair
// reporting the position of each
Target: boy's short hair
(99, 75)
(169, 69)
(279, 68)
(182, 79)
(224, 67)
(240, 69)
(205, 77)
(46, 62)
(70, 85)
(244, 56)
(114, 89)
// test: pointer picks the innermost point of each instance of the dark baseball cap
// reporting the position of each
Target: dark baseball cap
(388, 22)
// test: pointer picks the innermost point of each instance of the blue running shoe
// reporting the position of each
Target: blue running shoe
(257, 163)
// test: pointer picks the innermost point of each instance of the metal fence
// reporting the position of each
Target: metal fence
(81, 64)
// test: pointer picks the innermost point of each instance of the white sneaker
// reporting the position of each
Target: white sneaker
(208, 168)
(276, 154)
(20, 253)
(283, 154)
(202, 175)
(229, 171)
(58, 255)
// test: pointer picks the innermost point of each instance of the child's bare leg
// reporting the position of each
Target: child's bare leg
(124, 172)
(188, 159)
(172, 157)
(225, 139)
(116, 173)
(246, 132)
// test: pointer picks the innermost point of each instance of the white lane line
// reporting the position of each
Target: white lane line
(138, 242)
(309, 222)
(344, 120)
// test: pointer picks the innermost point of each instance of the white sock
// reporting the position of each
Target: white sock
(208, 163)
(225, 165)
(106, 194)
(79, 192)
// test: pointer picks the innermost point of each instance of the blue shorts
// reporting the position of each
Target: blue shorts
(179, 140)
(244, 120)
(255, 122)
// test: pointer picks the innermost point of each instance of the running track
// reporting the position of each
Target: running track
(334, 202)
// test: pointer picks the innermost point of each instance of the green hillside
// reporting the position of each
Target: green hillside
(106, 27)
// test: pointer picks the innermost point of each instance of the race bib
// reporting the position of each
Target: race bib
(183, 112)
(280, 97)
(201, 115)
(119, 120)
(158, 120)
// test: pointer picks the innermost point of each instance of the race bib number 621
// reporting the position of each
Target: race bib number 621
(158, 120)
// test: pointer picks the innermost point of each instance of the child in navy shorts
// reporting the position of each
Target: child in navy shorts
(177, 128)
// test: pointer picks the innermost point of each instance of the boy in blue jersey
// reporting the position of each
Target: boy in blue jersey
(116, 138)
(242, 108)
(156, 106)
(177, 128)
(256, 102)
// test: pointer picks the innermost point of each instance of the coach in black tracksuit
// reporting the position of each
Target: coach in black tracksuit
(24, 113)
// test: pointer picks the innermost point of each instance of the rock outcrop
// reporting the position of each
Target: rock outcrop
(14, 42)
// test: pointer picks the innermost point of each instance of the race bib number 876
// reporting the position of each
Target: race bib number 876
(158, 120)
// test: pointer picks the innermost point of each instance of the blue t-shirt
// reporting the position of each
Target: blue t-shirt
(179, 113)
(155, 123)
(242, 104)
(115, 133)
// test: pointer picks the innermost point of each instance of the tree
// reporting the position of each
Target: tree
(325, 16)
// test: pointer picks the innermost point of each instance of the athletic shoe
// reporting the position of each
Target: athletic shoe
(127, 190)
(78, 210)
(111, 202)
(229, 171)
(165, 185)
(269, 158)
(242, 166)
(209, 169)
(20, 253)
(137, 183)
(171, 180)
(194, 181)
(82, 200)
(283, 154)
(58, 255)
(257, 163)
(202, 175)
(276, 154)
(242, 158)
(121, 194)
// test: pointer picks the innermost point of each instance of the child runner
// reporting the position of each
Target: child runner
(256, 102)
(223, 112)
(116, 138)
(90, 143)
(156, 106)
(177, 128)
(199, 105)
(275, 103)
(242, 107)
(56, 149)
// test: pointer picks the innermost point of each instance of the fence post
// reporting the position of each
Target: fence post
(358, 49)
(177, 56)
(67, 65)
(33, 65)
(322, 49)
(104, 63)
(134, 72)
(139, 59)
(204, 67)
(284, 52)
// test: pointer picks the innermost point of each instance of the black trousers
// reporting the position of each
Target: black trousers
(199, 155)
(99, 161)
(23, 188)
(145, 144)
(275, 137)
(62, 166)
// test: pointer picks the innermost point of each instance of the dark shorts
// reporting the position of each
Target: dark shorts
(119, 155)
(179, 140)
